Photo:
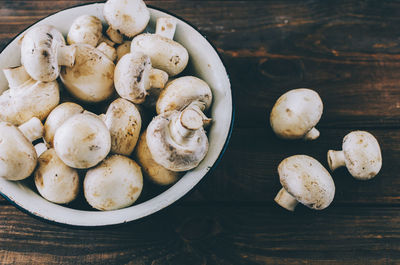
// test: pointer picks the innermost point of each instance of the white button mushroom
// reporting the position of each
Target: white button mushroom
(18, 157)
(54, 180)
(82, 141)
(177, 140)
(361, 155)
(124, 122)
(57, 117)
(134, 76)
(304, 180)
(26, 97)
(43, 51)
(181, 92)
(165, 54)
(91, 79)
(114, 184)
(85, 29)
(123, 49)
(295, 114)
(129, 17)
(108, 51)
(153, 171)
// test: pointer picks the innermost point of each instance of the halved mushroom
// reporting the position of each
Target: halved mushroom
(82, 141)
(85, 29)
(124, 122)
(57, 117)
(134, 76)
(296, 113)
(304, 180)
(177, 140)
(26, 97)
(165, 54)
(181, 92)
(129, 17)
(114, 184)
(361, 155)
(18, 157)
(91, 79)
(153, 171)
(54, 180)
(43, 51)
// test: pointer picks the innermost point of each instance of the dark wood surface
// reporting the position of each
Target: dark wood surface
(349, 52)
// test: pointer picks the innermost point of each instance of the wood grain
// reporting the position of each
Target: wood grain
(211, 235)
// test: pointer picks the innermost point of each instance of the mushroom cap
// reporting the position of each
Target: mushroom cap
(85, 29)
(17, 155)
(182, 91)
(39, 52)
(131, 77)
(129, 17)
(170, 154)
(82, 141)
(91, 79)
(307, 181)
(57, 117)
(153, 171)
(54, 180)
(165, 54)
(362, 155)
(124, 123)
(295, 113)
(31, 99)
(114, 184)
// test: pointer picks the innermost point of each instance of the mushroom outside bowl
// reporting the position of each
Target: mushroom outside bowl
(206, 64)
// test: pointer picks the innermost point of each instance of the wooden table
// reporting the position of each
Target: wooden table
(348, 51)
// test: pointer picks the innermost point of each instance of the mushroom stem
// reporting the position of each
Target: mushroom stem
(312, 134)
(336, 159)
(157, 78)
(40, 148)
(32, 129)
(114, 35)
(16, 76)
(66, 55)
(166, 27)
(287, 201)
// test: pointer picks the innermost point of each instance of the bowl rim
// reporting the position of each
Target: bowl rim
(217, 161)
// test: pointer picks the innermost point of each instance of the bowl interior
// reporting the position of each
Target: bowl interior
(204, 62)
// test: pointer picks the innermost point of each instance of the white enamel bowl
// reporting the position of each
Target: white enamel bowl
(206, 64)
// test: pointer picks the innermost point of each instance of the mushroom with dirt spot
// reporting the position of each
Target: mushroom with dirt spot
(165, 53)
(57, 117)
(54, 180)
(153, 171)
(177, 140)
(27, 98)
(82, 141)
(91, 79)
(134, 76)
(128, 17)
(124, 123)
(18, 156)
(361, 155)
(43, 51)
(114, 184)
(296, 113)
(304, 180)
(85, 29)
(182, 91)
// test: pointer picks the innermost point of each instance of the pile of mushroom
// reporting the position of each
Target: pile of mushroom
(114, 76)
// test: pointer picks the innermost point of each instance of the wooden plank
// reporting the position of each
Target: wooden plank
(211, 235)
